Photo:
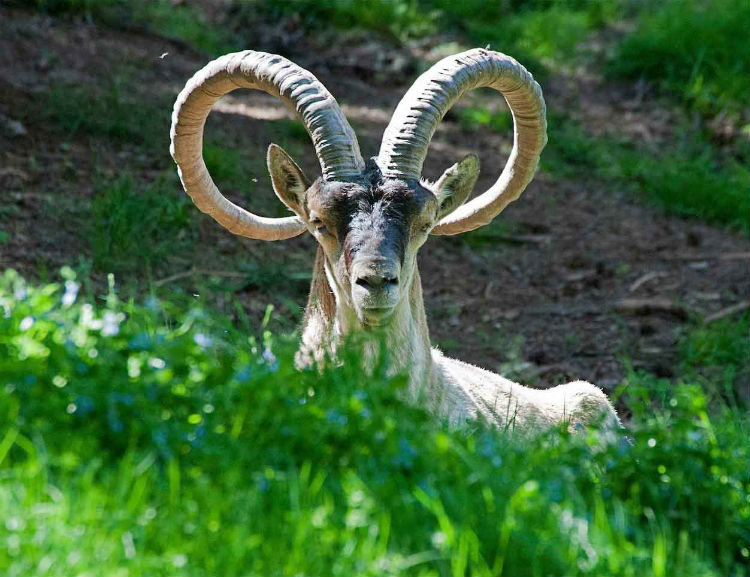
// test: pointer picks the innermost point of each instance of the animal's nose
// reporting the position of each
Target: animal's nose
(376, 281)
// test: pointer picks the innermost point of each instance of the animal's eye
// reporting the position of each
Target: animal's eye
(425, 227)
(319, 226)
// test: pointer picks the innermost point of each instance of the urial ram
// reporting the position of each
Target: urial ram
(370, 219)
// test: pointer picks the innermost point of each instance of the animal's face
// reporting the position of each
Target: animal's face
(370, 233)
(370, 230)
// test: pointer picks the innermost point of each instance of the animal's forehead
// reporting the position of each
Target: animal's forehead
(390, 194)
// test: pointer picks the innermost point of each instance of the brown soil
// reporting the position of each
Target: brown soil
(587, 276)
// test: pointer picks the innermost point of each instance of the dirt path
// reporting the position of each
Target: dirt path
(586, 276)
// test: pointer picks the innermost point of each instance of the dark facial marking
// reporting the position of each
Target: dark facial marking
(372, 217)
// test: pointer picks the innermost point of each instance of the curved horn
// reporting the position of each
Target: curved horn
(407, 137)
(334, 140)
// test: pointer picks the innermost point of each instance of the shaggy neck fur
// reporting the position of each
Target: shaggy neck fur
(330, 318)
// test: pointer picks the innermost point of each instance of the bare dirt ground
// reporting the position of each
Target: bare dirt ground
(588, 275)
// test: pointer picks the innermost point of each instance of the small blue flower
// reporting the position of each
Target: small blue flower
(84, 405)
(263, 484)
(140, 342)
(270, 360)
(124, 398)
(111, 323)
(160, 440)
(19, 291)
(152, 304)
(196, 437)
(406, 454)
(202, 340)
(243, 374)
(70, 294)
(336, 417)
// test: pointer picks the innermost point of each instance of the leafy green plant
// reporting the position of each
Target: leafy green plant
(535, 36)
(292, 130)
(169, 442)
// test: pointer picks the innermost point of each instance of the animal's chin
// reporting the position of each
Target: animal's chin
(375, 317)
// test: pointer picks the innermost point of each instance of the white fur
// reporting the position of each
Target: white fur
(449, 388)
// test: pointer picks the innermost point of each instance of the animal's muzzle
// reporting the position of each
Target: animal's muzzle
(375, 287)
(376, 274)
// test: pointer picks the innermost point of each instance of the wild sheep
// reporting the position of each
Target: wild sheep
(370, 219)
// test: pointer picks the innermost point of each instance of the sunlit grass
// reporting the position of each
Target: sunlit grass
(694, 49)
(687, 178)
(397, 19)
(157, 439)
(179, 20)
(135, 227)
(716, 355)
(692, 182)
(472, 118)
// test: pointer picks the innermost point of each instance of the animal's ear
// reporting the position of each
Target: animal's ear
(289, 183)
(455, 185)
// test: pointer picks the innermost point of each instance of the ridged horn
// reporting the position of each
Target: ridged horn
(407, 137)
(334, 140)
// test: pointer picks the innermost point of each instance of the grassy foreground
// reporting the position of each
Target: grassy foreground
(156, 440)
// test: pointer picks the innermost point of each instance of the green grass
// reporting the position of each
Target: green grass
(225, 165)
(716, 355)
(178, 20)
(689, 178)
(111, 112)
(396, 19)
(472, 118)
(690, 182)
(696, 49)
(536, 33)
(713, 356)
(134, 228)
(488, 237)
(185, 22)
(236, 171)
(159, 440)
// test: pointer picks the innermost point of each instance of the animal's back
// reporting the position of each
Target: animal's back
(470, 392)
